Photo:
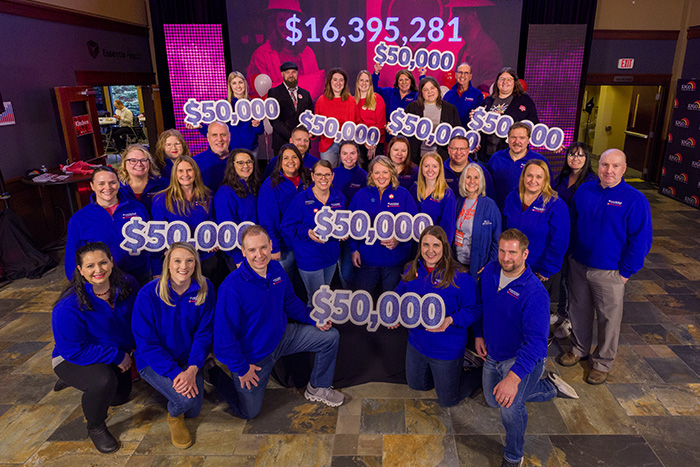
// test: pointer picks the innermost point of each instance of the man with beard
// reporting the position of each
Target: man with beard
(293, 102)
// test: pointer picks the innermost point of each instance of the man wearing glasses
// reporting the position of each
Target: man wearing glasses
(458, 150)
(212, 162)
(463, 95)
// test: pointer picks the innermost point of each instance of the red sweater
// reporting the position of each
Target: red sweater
(376, 117)
(343, 111)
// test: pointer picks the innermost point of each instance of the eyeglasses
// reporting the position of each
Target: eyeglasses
(464, 72)
(458, 149)
(506, 80)
(242, 163)
(135, 162)
(323, 175)
(577, 156)
(170, 145)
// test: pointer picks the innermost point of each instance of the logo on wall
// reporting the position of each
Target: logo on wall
(695, 164)
(670, 191)
(675, 103)
(663, 171)
(677, 157)
(681, 177)
(694, 200)
(670, 138)
(694, 105)
(683, 123)
(93, 48)
(688, 143)
(689, 86)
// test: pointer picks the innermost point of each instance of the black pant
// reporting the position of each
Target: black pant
(119, 136)
(102, 385)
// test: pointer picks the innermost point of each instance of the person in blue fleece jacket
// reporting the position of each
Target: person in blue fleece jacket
(91, 324)
(316, 258)
(381, 263)
(459, 159)
(463, 95)
(433, 196)
(612, 236)
(252, 331)
(102, 221)
(434, 357)
(514, 343)
(212, 162)
(173, 323)
(302, 140)
(139, 177)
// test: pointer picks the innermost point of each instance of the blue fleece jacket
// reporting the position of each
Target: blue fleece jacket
(516, 319)
(566, 192)
(212, 168)
(392, 96)
(251, 315)
(350, 181)
(103, 335)
(392, 200)
(308, 162)
(441, 212)
(485, 233)
(94, 224)
(243, 135)
(452, 179)
(613, 227)
(407, 181)
(465, 103)
(171, 338)
(272, 204)
(506, 172)
(153, 186)
(299, 218)
(229, 207)
(547, 227)
(460, 304)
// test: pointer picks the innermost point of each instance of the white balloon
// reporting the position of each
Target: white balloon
(262, 83)
(444, 89)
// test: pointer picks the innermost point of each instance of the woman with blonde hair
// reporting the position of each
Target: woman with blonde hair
(173, 328)
(139, 177)
(171, 145)
(432, 194)
(371, 108)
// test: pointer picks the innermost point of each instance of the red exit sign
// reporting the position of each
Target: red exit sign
(625, 64)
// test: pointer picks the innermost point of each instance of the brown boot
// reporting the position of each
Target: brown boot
(597, 377)
(179, 433)
(568, 359)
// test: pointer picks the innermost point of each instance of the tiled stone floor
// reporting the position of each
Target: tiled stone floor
(648, 414)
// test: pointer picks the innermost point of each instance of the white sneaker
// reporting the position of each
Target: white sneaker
(328, 396)
(563, 388)
(564, 329)
(553, 319)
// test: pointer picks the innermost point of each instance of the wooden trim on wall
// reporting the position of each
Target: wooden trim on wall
(623, 34)
(694, 32)
(593, 79)
(113, 78)
(59, 15)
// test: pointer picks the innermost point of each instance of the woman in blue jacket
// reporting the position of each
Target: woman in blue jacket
(432, 194)
(536, 210)
(381, 263)
(139, 176)
(478, 223)
(236, 200)
(316, 258)
(171, 145)
(399, 151)
(102, 221)
(91, 324)
(173, 329)
(289, 178)
(434, 356)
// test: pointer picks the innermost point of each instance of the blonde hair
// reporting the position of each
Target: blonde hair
(440, 183)
(175, 200)
(370, 100)
(163, 290)
(463, 178)
(229, 91)
(159, 155)
(152, 168)
(386, 162)
(547, 192)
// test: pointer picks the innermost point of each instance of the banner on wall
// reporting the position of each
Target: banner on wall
(680, 175)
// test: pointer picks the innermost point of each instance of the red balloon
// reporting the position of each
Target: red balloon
(448, 79)
(523, 84)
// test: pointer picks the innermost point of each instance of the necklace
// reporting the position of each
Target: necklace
(104, 293)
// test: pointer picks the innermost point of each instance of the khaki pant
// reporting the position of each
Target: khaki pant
(595, 293)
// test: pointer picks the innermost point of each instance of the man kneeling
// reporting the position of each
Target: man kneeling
(251, 331)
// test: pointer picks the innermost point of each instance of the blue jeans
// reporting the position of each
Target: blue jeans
(331, 154)
(288, 263)
(367, 278)
(313, 280)
(514, 418)
(177, 403)
(452, 384)
(246, 403)
(345, 267)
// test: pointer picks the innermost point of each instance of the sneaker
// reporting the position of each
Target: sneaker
(507, 463)
(328, 396)
(564, 329)
(472, 361)
(563, 388)
(554, 318)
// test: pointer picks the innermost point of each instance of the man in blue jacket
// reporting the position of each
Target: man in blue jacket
(251, 331)
(463, 95)
(212, 162)
(612, 235)
(459, 159)
(514, 342)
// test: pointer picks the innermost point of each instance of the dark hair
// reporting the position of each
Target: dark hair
(515, 235)
(349, 143)
(231, 178)
(517, 87)
(409, 75)
(117, 279)
(322, 163)
(423, 82)
(300, 128)
(460, 137)
(408, 165)
(103, 168)
(253, 230)
(304, 174)
(517, 125)
(328, 90)
(585, 170)
(445, 270)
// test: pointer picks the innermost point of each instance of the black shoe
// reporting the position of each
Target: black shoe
(103, 439)
(60, 385)
(506, 463)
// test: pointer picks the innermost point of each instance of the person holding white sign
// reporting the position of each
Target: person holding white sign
(433, 195)
(371, 108)
(434, 356)
(336, 102)
(463, 95)
(458, 150)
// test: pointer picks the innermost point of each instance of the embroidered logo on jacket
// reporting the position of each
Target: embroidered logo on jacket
(513, 293)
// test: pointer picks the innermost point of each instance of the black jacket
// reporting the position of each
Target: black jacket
(448, 113)
(289, 118)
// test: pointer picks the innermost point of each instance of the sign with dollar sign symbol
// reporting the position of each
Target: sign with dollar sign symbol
(292, 27)
(134, 238)
(322, 305)
(192, 114)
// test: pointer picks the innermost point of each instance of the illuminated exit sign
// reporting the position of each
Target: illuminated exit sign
(625, 64)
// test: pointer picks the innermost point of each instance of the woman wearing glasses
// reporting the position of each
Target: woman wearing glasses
(139, 176)
(171, 145)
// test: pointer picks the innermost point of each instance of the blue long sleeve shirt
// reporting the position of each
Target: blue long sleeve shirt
(566, 192)
(299, 218)
(272, 204)
(103, 335)
(153, 186)
(516, 319)
(442, 212)
(212, 168)
(407, 181)
(229, 207)
(485, 232)
(506, 172)
(547, 227)
(452, 179)
(350, 181)
(392, 96)
(307, 162)
(94, 224)
(460, 304)
(392, 200)
(243, 134)
(172, 338)
(466, 102)
(613, 228)
(251, 315)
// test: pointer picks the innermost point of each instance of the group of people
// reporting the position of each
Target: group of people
(505, 234)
